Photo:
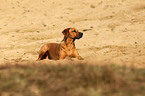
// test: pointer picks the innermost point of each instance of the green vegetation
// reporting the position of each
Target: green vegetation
(71, 80)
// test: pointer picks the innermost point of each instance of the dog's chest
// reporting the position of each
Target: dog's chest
(69, 50)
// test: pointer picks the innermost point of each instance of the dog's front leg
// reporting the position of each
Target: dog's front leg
(76, 55)
(62, 55)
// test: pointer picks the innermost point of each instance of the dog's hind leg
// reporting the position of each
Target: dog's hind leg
(43, 53)
(42, 56)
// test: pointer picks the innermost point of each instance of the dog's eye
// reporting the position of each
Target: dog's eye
(74, 30)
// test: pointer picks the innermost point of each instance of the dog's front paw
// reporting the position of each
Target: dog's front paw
(69, 58)
(80, 58)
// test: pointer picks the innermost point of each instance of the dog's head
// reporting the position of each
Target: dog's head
(72, 33)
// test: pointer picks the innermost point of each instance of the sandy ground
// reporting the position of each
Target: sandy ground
(116, 29)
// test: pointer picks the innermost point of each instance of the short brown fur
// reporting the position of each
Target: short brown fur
(66, 49)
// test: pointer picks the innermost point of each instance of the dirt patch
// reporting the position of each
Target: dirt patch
(113, 30)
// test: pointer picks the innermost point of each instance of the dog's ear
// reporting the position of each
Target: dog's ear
(65, 32)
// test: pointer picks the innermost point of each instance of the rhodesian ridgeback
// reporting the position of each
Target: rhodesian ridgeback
(66, 49)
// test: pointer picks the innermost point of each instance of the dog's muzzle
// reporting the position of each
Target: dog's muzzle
(79, 36)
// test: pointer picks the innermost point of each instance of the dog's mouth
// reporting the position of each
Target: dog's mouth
(79, 36)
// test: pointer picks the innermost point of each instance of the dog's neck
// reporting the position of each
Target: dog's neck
(68, 41)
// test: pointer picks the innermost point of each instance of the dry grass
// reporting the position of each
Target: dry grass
(71, 80)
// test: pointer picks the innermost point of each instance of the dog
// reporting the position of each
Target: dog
(65, 50)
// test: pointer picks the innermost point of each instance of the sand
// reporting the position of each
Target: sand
(113, 30)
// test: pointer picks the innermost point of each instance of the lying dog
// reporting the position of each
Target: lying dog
(66, 49)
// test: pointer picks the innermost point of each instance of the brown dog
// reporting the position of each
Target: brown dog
(66, 49)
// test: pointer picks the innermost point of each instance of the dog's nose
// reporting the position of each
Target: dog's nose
(81, 34)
